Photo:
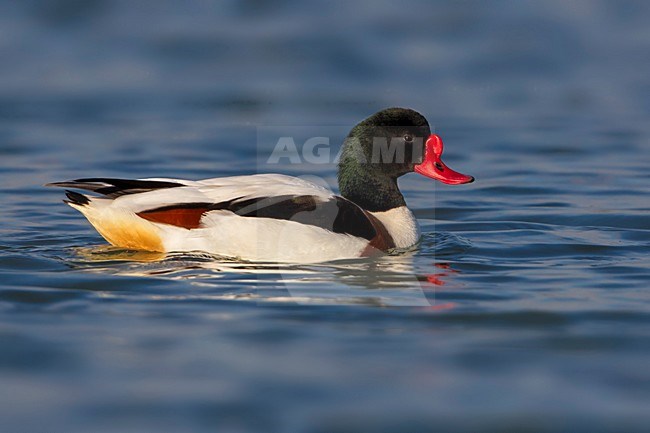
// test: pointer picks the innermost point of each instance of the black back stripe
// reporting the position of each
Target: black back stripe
(336, 214)
(112, 188)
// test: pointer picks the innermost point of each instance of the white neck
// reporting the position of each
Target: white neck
(401, 226)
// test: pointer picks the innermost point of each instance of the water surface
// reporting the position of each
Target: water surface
(525, 307)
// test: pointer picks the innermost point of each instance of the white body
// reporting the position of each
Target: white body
(223, 232)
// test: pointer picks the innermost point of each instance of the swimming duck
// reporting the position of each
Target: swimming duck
(274, 217)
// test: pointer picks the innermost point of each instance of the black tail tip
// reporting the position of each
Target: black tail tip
(76, 198)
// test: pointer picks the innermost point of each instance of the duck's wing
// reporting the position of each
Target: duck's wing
(217, 189)
(260, 185)
(201, 204)
(271, 196)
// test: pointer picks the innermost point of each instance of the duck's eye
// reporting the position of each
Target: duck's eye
(408, 138)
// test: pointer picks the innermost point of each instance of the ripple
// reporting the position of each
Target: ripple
(531, 280)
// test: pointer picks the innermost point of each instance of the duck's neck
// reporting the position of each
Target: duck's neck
(369, 188)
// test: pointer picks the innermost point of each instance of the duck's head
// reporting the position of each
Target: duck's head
(396, 141)
(387, 145)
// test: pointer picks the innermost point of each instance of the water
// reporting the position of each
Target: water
(525, 308)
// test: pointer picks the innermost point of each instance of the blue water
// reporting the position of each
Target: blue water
(525, 308)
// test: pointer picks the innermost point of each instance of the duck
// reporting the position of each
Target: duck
(275, 217)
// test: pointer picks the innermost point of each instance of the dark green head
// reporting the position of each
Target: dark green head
(389, 142)
(376, 152)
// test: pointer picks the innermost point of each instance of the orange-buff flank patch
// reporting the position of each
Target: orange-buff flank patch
(186, 218)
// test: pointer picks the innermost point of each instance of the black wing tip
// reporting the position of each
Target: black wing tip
(76, 198)
(112, 188)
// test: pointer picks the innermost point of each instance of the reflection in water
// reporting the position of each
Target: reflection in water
(390, 280)
(107, 253)
(438, 277)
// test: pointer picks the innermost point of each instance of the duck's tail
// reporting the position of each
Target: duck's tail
(76, 199)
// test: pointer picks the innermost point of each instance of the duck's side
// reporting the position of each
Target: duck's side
(259, 218)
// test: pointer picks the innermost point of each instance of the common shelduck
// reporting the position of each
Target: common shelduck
(274, 217)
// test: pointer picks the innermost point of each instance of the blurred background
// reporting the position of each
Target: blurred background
(543, 316)
(252, 62)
